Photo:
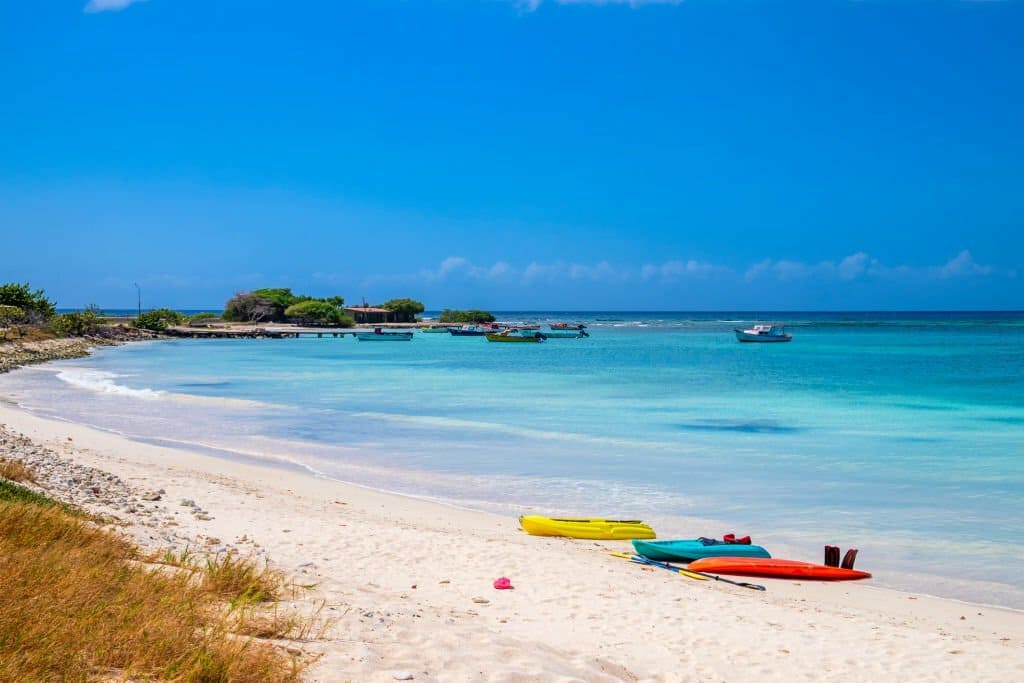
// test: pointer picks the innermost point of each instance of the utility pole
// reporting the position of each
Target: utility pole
(139, 292)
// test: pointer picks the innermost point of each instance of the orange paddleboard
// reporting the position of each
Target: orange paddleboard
(782, 569)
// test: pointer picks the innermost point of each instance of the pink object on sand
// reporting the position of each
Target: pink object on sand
(503, 583)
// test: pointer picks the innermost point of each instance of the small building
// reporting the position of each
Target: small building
(368, 315)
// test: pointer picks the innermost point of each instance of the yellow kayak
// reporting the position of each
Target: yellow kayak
(599, 529)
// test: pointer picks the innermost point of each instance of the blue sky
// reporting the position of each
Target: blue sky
(712, 154)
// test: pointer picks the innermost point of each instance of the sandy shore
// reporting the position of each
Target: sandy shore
(408, 584)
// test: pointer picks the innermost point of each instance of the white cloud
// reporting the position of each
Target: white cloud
(458, 266)
(860, 264)
(542, 271)
(853, 266)
(671, 271)
(856, 266)
(451, 265)
(108, 5)
(602, 271)
(500, 270)
(961, 265)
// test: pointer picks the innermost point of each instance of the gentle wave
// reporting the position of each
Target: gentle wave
(103, 382)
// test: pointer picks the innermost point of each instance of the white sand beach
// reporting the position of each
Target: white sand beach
(407, 585)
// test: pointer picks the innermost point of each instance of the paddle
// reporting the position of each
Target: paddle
(679, 570)
(689, 572)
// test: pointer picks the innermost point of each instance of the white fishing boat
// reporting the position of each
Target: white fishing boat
(380, 335)
(766, 332)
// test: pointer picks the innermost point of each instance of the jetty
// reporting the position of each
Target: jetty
(265, 332)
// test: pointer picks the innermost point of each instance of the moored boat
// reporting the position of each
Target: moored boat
(512, 336)
(567, 326)
(435, 330)
(695, 549)
(769, 332)
(469, 331)
(566, 334)
(598, 529)
(380, 335)
(781, 569)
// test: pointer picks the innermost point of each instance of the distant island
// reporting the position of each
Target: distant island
(29, 315)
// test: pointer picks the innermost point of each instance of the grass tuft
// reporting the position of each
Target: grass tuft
(240, 580)
(15, 470)
(77, 606)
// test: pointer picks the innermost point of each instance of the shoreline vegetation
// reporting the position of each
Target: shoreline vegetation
(28, 316)
(81, 601)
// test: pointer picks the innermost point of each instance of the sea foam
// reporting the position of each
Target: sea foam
(103, 382)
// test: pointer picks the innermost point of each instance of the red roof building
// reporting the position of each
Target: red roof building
(368, 315)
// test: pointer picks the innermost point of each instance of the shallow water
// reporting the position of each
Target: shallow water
(900, 434)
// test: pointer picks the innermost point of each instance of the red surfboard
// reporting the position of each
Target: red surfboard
(782, 569)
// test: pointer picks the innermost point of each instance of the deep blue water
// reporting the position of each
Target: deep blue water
(898, 433)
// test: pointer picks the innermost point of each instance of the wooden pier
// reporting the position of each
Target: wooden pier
(267, 332)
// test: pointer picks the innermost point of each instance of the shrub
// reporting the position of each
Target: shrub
(158, 320)
(199, 317)
(77, 324)
(471, 316)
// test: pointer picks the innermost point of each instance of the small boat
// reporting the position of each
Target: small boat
(512, 336)
(690, 550)
(435, 330)
(780, 569)
(567, 326)
(469, 331)
(770, 332)
(380, 335)
(597, 529)
(566, 334)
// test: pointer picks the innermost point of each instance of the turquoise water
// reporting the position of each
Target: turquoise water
(899, 434)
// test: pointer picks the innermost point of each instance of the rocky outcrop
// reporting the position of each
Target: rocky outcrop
(14, 354)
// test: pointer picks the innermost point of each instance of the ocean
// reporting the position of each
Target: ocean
(901, 434)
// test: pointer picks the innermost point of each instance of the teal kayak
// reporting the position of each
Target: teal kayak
(689, 550)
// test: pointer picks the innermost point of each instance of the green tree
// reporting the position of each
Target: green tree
(159, 319)
(318, 313)
(35, 305)
(249, 308)
(269, 304)
(281, 296)
(404, 310)
(471, 316)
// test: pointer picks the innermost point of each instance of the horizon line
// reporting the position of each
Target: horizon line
(635, 311)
